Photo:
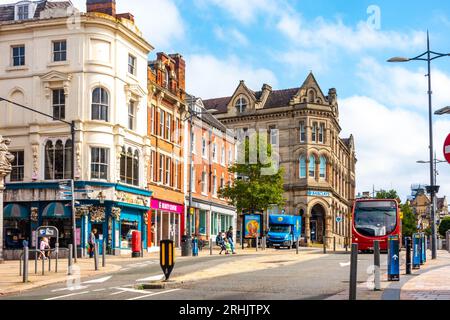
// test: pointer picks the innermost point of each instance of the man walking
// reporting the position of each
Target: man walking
(91, 242)
(230, 239)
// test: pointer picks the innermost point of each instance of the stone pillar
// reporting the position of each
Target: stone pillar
(308, 229)
(328, 230)
(5, 169)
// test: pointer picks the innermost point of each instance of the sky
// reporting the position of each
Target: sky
(345, 43)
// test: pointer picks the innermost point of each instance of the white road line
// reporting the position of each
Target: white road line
(73, 288)
(152, 278)
(153, 294)
(126, 269)
(98, 290)
(132, 290)
(101, 280)
(68, 295)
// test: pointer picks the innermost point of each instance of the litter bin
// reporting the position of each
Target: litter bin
(195, 247)
(186, 246)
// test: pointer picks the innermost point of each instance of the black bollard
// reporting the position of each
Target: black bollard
(96, 256)
(25, 264)
(69, 260)
(377, 265)
(408, 255)
(104, 253)
(353, 271)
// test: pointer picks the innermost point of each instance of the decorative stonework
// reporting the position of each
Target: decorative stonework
(34, 214)
(115, 213)
(97, 214)
(5, 157)
(81, 211)
(78, 160)
(145, 217)
(35, 173)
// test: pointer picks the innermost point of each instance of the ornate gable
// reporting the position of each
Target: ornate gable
(310, 92)
(241, 92)
(55, 79)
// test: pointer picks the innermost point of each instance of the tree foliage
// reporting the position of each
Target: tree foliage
(259, 185)
(444, 226)
(391, 194)
(409, 222)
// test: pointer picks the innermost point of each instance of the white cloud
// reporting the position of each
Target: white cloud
(159, 20)
(232, 36)
(208, 76)
(388, 144)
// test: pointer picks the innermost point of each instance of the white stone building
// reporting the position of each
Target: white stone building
(90, 68)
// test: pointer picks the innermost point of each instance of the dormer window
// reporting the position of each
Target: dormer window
(241, 104)
(23, 12)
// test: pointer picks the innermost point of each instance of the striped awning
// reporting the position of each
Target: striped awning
(56, 210)
(17, 211)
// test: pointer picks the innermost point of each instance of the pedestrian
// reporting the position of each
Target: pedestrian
(230, 239)
(43, 247)
(221, 242)
(227, 246)
(91, 242)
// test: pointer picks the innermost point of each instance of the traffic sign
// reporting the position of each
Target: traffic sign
(447, 149)
(167, 257)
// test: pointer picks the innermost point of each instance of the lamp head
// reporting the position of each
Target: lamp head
(398, 59)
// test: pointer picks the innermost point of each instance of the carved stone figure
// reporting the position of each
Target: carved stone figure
(5, 156)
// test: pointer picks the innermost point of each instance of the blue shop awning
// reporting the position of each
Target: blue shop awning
(57, 210)
(16, 211)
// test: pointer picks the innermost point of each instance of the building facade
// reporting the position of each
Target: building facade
(89, 69)
(166, 107)
(303, 125)
(213, 151)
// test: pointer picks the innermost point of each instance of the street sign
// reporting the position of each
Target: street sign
(167, 257)
(394, 258)
(47, 232)
(447, 149)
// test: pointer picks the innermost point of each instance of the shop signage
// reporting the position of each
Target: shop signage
(166, 206)
(131, 199)
(318, 194)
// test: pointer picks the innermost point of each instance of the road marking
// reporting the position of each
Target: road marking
(126, 269)
(132, 290)
(152, 278)
(98, 290)
(68, 295)
(153, 294)
(73, 288)
(101, 280)
(344, 264)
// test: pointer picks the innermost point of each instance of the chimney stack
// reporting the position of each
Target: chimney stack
(102, 6)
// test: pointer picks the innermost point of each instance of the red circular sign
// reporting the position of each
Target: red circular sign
(447, 149)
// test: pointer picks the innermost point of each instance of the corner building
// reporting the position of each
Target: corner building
(319, 165)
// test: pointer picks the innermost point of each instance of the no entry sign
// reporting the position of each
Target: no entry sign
(447, 149)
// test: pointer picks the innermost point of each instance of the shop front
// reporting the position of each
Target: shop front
(167, 222)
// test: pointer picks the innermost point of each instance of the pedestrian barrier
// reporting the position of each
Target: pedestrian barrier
(25, 259)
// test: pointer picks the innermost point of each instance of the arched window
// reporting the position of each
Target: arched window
(58, 160)
(302, 169)
(100, 104)
(312, 166)
(129, 166)
(311, 96)
(241, 104)
(323, 167)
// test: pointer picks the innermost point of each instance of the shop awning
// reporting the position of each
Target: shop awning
(17, 211)
(57, 210)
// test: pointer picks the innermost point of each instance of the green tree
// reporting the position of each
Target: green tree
(409, 222)
(391, 194)
(444, 226)
(260, 184)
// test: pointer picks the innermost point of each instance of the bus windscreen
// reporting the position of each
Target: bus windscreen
(375, 219)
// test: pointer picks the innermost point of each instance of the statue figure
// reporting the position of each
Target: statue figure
(5, 156)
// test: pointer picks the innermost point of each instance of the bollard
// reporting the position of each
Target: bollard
(448, 240)
(416, 251)
(377, 264)
(35, 262)
(298, 245)
(25, 264)
(96, 256)
(210, 246)
(69, 260)
(394, 258)
(334, 244)
(43, 265)
(324, 245)
(257, 243)
(104, 254)
(49, 261)
(57, 256)
(408, 255)
(424, 248)
(353, 271)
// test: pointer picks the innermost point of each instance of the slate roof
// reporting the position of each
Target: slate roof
(276, 99)
(209, 118)
(7, 11)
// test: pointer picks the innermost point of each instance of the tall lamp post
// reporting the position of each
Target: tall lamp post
(428, 56)
(72, 132)
(190, 117)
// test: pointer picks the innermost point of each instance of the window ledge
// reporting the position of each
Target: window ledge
(16, 68)
(132, 76)
(58, 63)
(99, 63)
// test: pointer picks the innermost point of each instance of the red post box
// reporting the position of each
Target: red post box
(136, 244)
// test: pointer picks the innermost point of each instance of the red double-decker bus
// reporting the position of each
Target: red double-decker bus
(375, 219)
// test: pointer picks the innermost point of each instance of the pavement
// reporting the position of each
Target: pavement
(430, 282)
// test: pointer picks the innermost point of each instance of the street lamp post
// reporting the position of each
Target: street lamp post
(72, 133)
(428, 56)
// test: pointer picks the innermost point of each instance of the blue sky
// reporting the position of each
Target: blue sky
(279, 41)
